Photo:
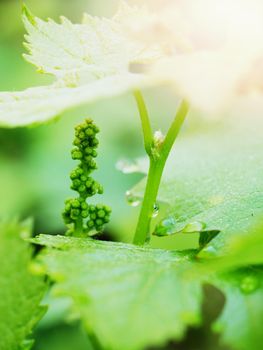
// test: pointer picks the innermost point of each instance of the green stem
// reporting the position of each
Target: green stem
(174, 129)
(145, 121)
(150, 195)
(156, 168)
(78, 228)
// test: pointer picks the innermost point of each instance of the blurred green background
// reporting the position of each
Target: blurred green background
(35, 162)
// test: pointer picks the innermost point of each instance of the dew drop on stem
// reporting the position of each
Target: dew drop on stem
(156, 209)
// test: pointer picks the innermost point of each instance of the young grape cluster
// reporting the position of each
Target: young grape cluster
(82, 218)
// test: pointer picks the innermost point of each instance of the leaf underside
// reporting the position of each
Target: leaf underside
(89, 61)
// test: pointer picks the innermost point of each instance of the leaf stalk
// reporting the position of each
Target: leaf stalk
(157, 164)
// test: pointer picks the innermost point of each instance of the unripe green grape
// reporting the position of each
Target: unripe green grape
(93, 216)
(88, 150)
(84, 205)
(99, 222)
(101, 213)
(76, 154)
(67, 207)
(82, 188)
(89, 183)
(85, 213)
(89, 132)
(90, 223)
(100, 189)
(74, 214)
(95, 142)
(79, 171)
(92, 208)
(106, 219)
(81, 135)
(75, 203)
(73, 175)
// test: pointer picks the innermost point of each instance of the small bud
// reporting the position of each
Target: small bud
(101, 213)
(93, 216)
(99, 222)
(92, 208)
(75, 203)
(81, 135)
(89, 132)
(90, 223)
(84, 205)
(100, 189)
(85, 213)
(76, 183)
(89, 183)
(106, 219)
(76, 154)
(82, 188)
(88, 150)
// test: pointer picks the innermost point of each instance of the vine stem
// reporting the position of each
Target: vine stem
(145, 121)
(157, 164)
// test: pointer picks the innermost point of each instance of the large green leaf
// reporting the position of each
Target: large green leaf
(213, 181)
(241, 320)
(135, 297)
(130, 297)
(90, 60)
(20, 291)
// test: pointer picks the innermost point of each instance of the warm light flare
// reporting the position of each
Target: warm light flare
(210, 49)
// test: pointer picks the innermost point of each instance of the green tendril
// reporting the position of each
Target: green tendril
(81, 218)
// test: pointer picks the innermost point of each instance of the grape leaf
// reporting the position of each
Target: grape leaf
(20, 291)
(130, 297)
(213, 181)
(91, 60)
(96, 48)
(241, 320)
(40, 104)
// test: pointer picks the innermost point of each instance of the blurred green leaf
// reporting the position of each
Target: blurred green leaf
(131, 297)
(64, 336)
(241, 320)
(20, 291)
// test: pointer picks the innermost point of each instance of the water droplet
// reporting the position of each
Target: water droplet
(192, 227)
(132, 200)
(249, 284)
(165, 227)
(138, 165)
(126, 166)
(208, 252)
(156, 209)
